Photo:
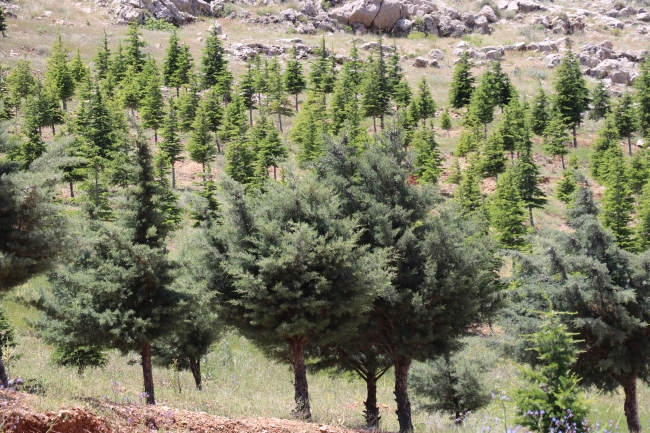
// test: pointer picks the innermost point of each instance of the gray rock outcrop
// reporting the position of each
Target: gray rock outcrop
(177, 12)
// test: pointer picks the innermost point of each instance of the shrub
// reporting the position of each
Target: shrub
(416, 35)
(157, 25)
(81, 357)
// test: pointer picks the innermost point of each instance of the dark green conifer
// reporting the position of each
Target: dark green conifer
(617, 200)
(58, 75)
(528, 178)
(492, 160)
(642, 229)
(642, 97)
(293, 78)
(607, 139)
(188, 102)
(600, 102)
(426, 105)
(20, 83)
(625, 118)
(321, 75)
(102, 58)
(78, 70)
(235, 122)
(171, 63)
(201, 147)
(171, 145)
(571, 93)
(445, 121)
(3, 24)
(556, 137)
(214, 66)
(427, 161)
(375, 89)
(134, 56)
(247, 91)
(506, 212)
(482, 103)
(462, 83)
(278, 101)
(566, 186)
(152, 105)
(540, 113)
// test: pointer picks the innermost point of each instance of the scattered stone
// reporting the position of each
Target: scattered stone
(436, 54)
(306, 29)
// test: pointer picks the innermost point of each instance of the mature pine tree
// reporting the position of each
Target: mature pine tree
(118, 64)
(278, 102)
(32, 145)
(152, 106)
(170, 62)
(214, 66)
(482, 103)
(211, 103)
(201, 147)
(184, 72)
(3, 24)
(445, 121)
(527, 176)
(78, 70)
(49, 111)
(58, 75)
(102, 58)
(600, 102)
(345, 97)
(293, 78)
(268, 146)
(402, 94)
(607, 139)
(540, 114)
(462, 83)
(604, 289)
(130, 91)
(241, 161)
(618, 201)
(235, 122)
(501, 88)
(134, 55)
(426, 105)
(118, 292)
(642, 229)
(625, 118)
(188, 102)
(261, 74)
(556, 137)
(396, 214)
(375, 89)
(639, 171)
(507, 215)
(571, 93)
(492, 160)
(428, 163)
(513, 128)
(20, 83)
(455, 172)
(247, 91)
(307, 133)
(171, 145)
(321, 75)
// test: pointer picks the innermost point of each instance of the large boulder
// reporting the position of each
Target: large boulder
(389, 12)
(173, 11)
(359, 11)
(488, 13)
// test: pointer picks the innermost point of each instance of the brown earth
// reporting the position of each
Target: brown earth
(18, 415)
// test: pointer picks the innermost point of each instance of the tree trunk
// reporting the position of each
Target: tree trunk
(374, 123)
(629, 144)
(296, 102)
(218, 145)
(274, 173)
(631, 406)
(53, 130)
(250, 115)
(530, 212)
(301, 396)
(575, 135)
(203, 167)
(71, 190)
(402, 366)
(147, 373)
(3, 375)
(512, 155)
(178, 92)
(485, 131)
(65, 105)
(280, 120)
(173, 176)
(562, 158)
(372, 411)
(155, 136)
(381, 118)
(195, 366)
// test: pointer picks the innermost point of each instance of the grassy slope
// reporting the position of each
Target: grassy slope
(241, 382)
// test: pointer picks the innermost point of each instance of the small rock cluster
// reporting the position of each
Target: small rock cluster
(252, 50)
(177, 12)
(308, 20)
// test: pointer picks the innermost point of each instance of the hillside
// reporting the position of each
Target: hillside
(249, 383)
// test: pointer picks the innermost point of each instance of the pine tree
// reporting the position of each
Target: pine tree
(211, 102)
(540, 115)
(130, 92)
(235, 123)
(32, 146)
(513, 128)
(58, 75)
(345, 97)
(506, 212)
(248, 91)
(278, 102)
(469, 194)
(402, 94)
(214, 66)
(492, 161)
(607, 139)
(375, 89)
(571, 93)
(556, 137)
(268, 146)
(307, 133)
(20, 83)
(567, 186)
(600, 102)
(426, 105)
(77, 68)
(639, 171)
(152, 106)
(642, 229)
(428, 161)
(481, 105)
(188, 102)
(321, 75)
(445, 121)
(261, 74)
(625, 118)
(618, 202)
(455, 173)
(117, 293)
(201, 147)
(170, 62)
(134, 56)
(3, 24)
(501, 88)
(118, 64)
(642, 97)
(467, 142)
(527, 175)
(241, 161)
(550, 398)
(49, 111)
(171, 145)
(462, 83)
(293, 78)
(184, 72)
(102, 58)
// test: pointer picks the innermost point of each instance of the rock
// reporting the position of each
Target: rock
(640, 142)
(215, 27)
(620, 76)
(503, 4)
(358, 11)
(420, 62)
(311, 8)
(436, 54)
(403, 26)
(306, 29)
(359, 29)
(290, 15)
(488, 13)
(289, 41)
(173, 11)
(513, 6)
(527, 6)
(389, 13)
(492, 55)
(520, 46)
(47, 14)
(645, 17)
(480, 21)
(552, 60)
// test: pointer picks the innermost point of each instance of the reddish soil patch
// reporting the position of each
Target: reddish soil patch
(98, 416)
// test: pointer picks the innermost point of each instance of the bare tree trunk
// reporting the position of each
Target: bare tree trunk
(53, 130)
(631, 406)
(218, 144)
(372, 411)
(575, 135)
(303, 410)
(485, 131)
(562, 158)
(402, 366)
(530, 212)
(155, 136)
(173, 176)
(296, 102)
(65, 105)
(250, 115)
(374, 123)
(3, 375)
(147, 373)
(274, 173)
(195, 366)
(381, 119)
(178, 92)
(280, 120)
(71, 190)
(629, 144)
